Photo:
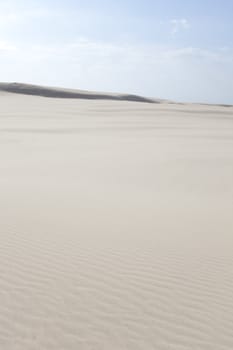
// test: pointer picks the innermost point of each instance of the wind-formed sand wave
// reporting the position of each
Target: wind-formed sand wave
(115, 225)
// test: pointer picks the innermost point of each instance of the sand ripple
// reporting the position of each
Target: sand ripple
(115, 237)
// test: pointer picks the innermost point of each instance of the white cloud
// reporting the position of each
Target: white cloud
(178, 25)
(198, 54)
(12, 17)
(5, 47)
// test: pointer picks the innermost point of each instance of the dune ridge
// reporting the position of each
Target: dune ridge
(65, 93)
(54, 92)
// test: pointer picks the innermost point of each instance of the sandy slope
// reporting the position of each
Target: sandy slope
(116, 225)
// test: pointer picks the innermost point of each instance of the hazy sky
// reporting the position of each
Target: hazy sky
(175, 49)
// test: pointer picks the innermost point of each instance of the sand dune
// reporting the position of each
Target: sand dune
(27, 89)
(116, 225)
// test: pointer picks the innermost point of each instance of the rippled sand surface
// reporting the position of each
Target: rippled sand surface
(116, 225)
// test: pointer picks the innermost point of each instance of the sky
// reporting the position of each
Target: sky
(180, 50)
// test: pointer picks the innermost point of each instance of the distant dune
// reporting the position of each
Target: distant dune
(57, 92)
(36, 90)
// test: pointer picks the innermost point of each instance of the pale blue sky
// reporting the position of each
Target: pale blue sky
(175, 49)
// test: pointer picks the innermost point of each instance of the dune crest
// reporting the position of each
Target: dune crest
(54, 92)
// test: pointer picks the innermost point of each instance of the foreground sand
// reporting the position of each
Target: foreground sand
(116, 225)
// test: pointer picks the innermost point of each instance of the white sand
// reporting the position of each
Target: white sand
(116, 225)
